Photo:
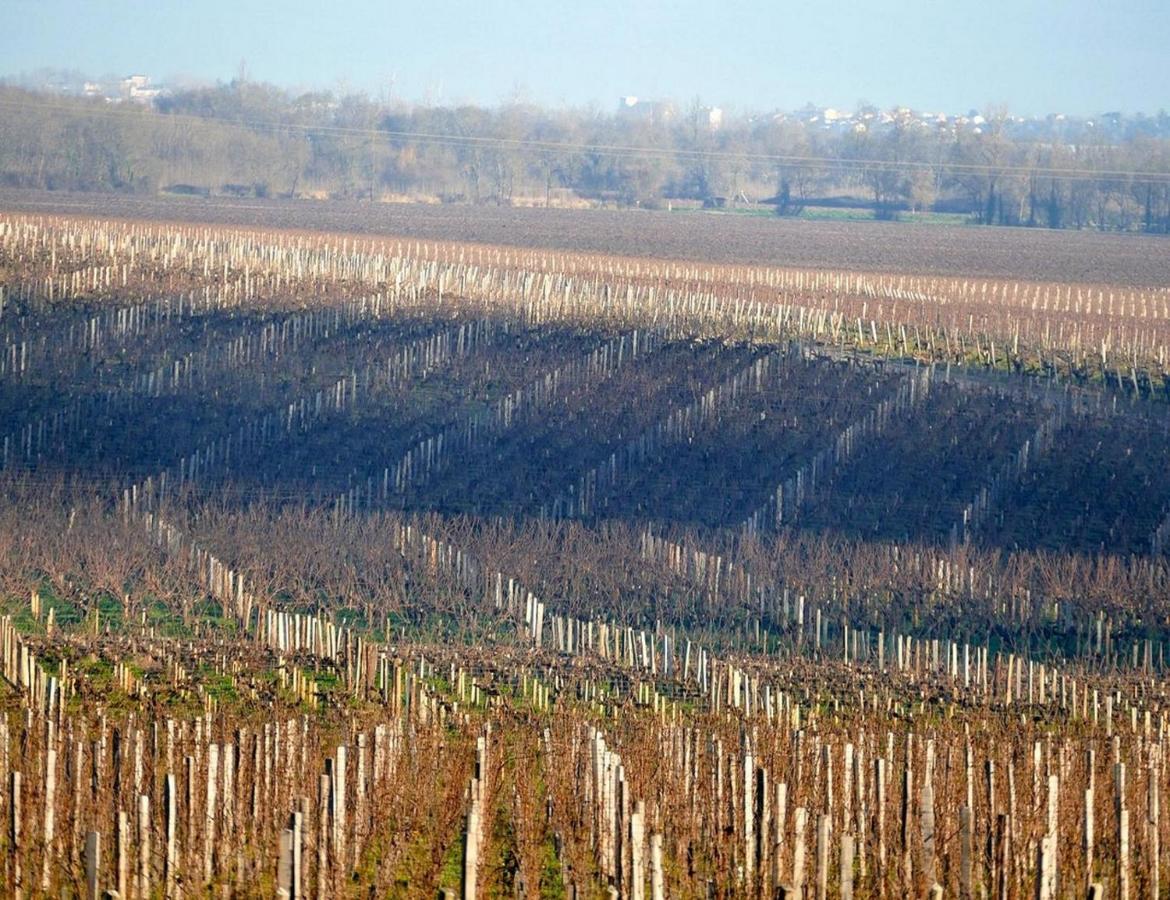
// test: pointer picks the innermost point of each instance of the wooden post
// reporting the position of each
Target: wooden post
(1054, 833)
(1012, 838)
(190, 845)
(361, 822)
(1154, 840)
(1123, 855)
(1002, 855)
(992, 809)
(846, 867)
(340, 798)
(323, 787)
(210, 811)
(928, 833)
(657, 883)
(297, 825)
(75, 799)
(880, 801)
(799, 826)
(14, 824)
(823, 824)
(965, 892)
(471, 849)
(763, 815)
(781, 812)
(862, 823)
(50, 813)
(1087, 837)
(172, 868)
(637, 889)
(1046, 868)
(143, 845)
(122, 852)
(907, 788)
(93, 862)
(284, 866)
(229, 795)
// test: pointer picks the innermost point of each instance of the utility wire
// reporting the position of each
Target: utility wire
(469, 141)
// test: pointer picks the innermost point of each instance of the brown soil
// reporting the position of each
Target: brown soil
(1032, 254)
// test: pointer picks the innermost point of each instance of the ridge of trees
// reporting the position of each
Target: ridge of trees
(253, 139)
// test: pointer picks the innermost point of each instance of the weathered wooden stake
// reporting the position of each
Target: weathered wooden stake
(323, 788)
(928, 832)
(143, 845)
(471, 851)
(965, 892)
(781, 813)
(657, 883)
(284, 866)
(1123, 855)
(172, 868)
(637, 841)
(297, 825)
(1002, 855)
(210, 811)
(1154, 831)
(50, 812)
(93, 862)
(800, 825)
(823, 825)
(907, 789)
(1046, 868)
(1087, 837)
(122, 852)
(14, 823)
(880, 786)
(846, 867)
(340, 799)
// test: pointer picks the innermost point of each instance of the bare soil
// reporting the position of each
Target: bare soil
(965, 251)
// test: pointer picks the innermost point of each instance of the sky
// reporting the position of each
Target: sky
(1078, 57)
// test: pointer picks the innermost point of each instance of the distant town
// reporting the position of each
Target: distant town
(1108, 125)
(867, 117)
(1109, 172)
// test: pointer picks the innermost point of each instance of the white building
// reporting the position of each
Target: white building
(137, 88)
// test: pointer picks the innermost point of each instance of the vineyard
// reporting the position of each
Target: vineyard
(358, 566)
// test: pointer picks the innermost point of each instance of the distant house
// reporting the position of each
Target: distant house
(137, 89)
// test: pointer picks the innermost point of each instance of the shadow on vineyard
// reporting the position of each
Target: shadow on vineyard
(360, 566)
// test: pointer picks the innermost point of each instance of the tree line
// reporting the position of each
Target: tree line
(254, 139)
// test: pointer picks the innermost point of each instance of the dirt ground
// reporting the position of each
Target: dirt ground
(1032, 254)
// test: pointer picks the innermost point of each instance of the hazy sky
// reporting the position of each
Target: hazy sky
(1035, 56)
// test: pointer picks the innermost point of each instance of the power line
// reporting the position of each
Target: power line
(469, 141)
